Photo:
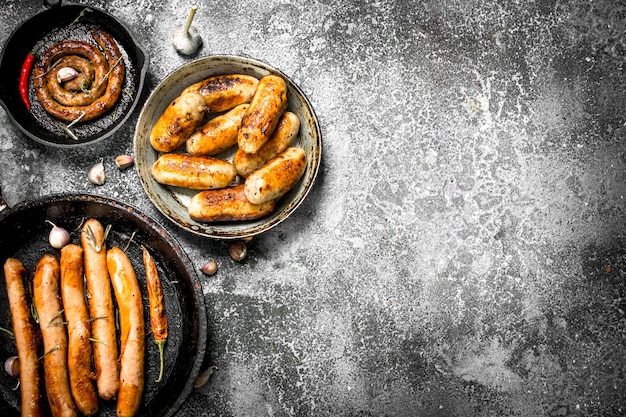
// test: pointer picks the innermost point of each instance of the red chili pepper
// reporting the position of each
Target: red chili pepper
(24, 76)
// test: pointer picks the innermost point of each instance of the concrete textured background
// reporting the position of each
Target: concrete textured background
(463, 252)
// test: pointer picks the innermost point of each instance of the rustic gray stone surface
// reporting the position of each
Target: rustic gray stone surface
(463, 250)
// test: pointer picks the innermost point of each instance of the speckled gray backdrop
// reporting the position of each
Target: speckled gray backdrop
(463, 250)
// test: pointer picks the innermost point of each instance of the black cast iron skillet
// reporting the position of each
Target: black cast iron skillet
(53, 24)
(24, 235)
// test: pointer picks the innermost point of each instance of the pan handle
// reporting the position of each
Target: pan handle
(49, 4)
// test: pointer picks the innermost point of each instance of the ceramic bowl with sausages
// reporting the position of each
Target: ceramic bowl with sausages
(162, 156)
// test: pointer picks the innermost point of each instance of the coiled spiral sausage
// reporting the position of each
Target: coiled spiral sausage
(93, 100)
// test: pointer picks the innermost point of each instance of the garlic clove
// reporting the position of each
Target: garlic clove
(12, 366)
(66, 74)
(96, 174)
(204, 376)
(237, 250)
(210, 268)
(124, 161)
(58, 236)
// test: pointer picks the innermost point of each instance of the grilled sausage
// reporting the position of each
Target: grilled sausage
(106, 87)
(226, 204)
(132, 332)
(224, 92)
(266, 107)
(51, 322)
(193, 171)
(277, 177)
(101, 311)
(71, 93)
(286, 131)
(218, 134)
(79, 330)
(26, 339)
(179, 120)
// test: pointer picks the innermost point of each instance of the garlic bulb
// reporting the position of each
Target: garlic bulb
(187, 40)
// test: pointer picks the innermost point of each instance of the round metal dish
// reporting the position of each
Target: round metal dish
(24, 235)
(53, 24)
(173, 201)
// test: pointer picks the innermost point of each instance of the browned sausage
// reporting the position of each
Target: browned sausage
(277, 177)
(226, 204)
(179, 120)
(107, 85)
(259, 122)
(67, 92)
(26, 339)
(51, 322)
(224, 92)
(193, 171)
(218, 134)
(132, 332)
(286, 131)
(101, 311)
(78, 329)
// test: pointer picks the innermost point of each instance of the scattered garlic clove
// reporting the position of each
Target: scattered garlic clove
(237, 250)
(96, 174)
(12, 366)
(124, 161)
(58, 236)
(204, 376)
(66, 74)
(210, 268)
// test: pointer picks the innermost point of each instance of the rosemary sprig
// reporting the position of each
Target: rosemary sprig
(89, 320)
(57, 315)
(7, 331)
(91, 238)
(55, 348)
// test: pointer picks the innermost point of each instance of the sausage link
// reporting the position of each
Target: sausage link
(226, 204)
(285, 133)
(277, 177)
(179, 120)
(101, 311)
(26, 339)
(132, 332)
(224, 92)
(51, 322)
(107, 85)
(68, 92)
(193, 171)
(79, 330)
(218, 134)
(259, 122)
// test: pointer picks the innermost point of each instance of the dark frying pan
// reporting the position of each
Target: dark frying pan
(56, 23)
(23, 234)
